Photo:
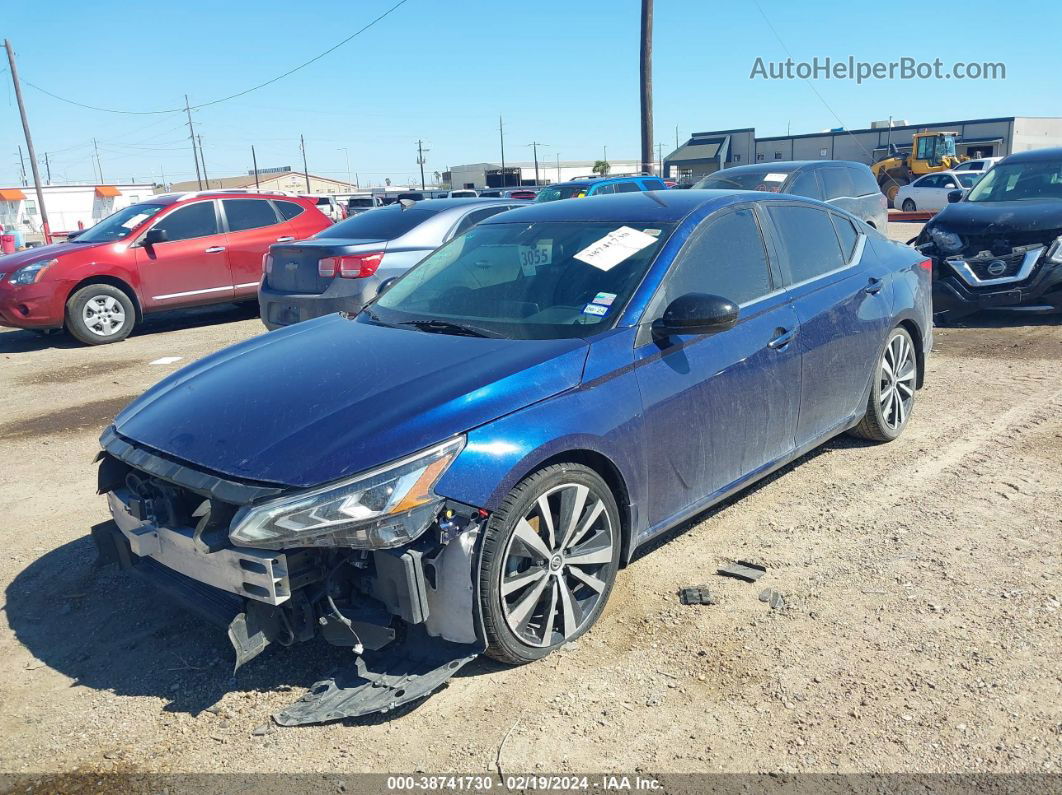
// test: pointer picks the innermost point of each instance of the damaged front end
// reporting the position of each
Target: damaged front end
(988, 270)
(377, 563)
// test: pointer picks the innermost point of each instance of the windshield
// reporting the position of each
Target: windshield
(383, 223)
(761, 180)
(526, 281)
(552, 194)
(118, 225)
(1019, 181)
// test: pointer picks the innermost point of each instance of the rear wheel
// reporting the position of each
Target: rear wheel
(908, 206)
(550, 556)
(100, 313)
(892, 394)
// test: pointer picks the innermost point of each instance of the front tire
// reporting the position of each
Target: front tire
(550, 557)
(100, 313)
(892, 395)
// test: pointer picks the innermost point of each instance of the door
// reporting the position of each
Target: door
(252, 227)
(842, 304)
(923, 191)
(191, 266)
(718, 407)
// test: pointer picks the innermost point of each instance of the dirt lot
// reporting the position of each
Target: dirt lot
(921, 629)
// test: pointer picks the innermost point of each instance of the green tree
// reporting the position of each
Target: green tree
(601, 167)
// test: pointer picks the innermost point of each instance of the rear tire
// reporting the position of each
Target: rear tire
(908, 206)
(892, 394)
(100, 313)
(534, 593)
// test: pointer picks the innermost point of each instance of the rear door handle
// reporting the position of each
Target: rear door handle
(285, 239)
(874, 286)
(782, 338)
(213, 250)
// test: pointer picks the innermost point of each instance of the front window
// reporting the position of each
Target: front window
(968, 179)
(1019, 182)
(556, 192)
(525, 281)
(120, 224)
(754, 179)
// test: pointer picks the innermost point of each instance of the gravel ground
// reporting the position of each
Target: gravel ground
(919, 632)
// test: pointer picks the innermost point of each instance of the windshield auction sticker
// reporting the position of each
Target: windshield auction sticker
(614, 248)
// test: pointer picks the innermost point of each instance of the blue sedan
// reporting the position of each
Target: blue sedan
(464, 466)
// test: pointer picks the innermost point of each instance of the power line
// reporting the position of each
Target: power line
(292, 71)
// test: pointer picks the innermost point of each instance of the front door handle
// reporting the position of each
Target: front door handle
(782, 338)
(213, 250)
(874, 286)
(285, 239)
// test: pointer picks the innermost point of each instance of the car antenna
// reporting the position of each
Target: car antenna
(406, 203)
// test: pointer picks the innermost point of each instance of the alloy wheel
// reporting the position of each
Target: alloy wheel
(103, 315)
(557, 565)
(897, 381)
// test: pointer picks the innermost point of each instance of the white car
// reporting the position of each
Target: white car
(980, 165)
(931, 191)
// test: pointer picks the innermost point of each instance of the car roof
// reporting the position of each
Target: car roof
(438, 205)
(661, 206)
(1035, 155)
(784, 166)
(595, 181)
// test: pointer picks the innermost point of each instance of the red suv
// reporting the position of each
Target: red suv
(176, 250)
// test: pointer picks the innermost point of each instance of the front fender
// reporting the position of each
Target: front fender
(602, 416)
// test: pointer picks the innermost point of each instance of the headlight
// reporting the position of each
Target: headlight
(386, 507)
(1054, 253)
(947, 242)
(32, 273)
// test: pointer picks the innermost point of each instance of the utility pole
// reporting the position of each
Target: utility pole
(676, 137)
(558, 167)
(604, 154)
(646, 80)
(191, 134)
(162, 170)
(501, 137)
(305, 168)
(99, 165)
(346, 152)
(203, 161)
(29, 143)
(22, 164)
(660, 160)
(534, 147)
(48, 168)
(421, 161)
(254, 164)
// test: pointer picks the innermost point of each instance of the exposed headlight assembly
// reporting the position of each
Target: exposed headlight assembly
(385, 507)
(29, 274)
(947, 242)
(1054, 252)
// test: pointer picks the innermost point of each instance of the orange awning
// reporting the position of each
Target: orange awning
(11, 195)
(107, 191)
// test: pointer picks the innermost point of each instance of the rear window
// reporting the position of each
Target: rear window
(384, 223)
(289, 210)
(863, 181)
(365, 202)
(759, 179)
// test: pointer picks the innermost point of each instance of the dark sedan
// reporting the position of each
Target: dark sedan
(340, 268)
(465, 465)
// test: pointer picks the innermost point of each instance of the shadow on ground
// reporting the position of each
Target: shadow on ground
(108, 631)
(19, 341)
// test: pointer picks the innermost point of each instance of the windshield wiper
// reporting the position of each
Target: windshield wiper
(446, 327)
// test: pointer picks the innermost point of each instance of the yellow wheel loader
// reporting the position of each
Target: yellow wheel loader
(930, 151)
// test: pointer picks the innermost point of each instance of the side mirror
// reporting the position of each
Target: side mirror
(955, 196)
(696, 313)
(74, 234)
(385, 285)
(155, 236)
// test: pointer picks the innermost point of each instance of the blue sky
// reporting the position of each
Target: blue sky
(562, 73)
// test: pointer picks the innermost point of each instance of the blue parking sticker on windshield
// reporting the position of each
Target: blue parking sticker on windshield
(604, 299)
(594, 309)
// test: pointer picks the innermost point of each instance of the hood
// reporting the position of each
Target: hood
(333, 397)
(1003, 219)
(12, 262)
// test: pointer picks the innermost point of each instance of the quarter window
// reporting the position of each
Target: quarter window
(725, 257)
(863, 182)
(192, 220)
(288, 210)
(808, 239)
(805, 184)
(836, 183)
(848, 235)
(248, 214)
